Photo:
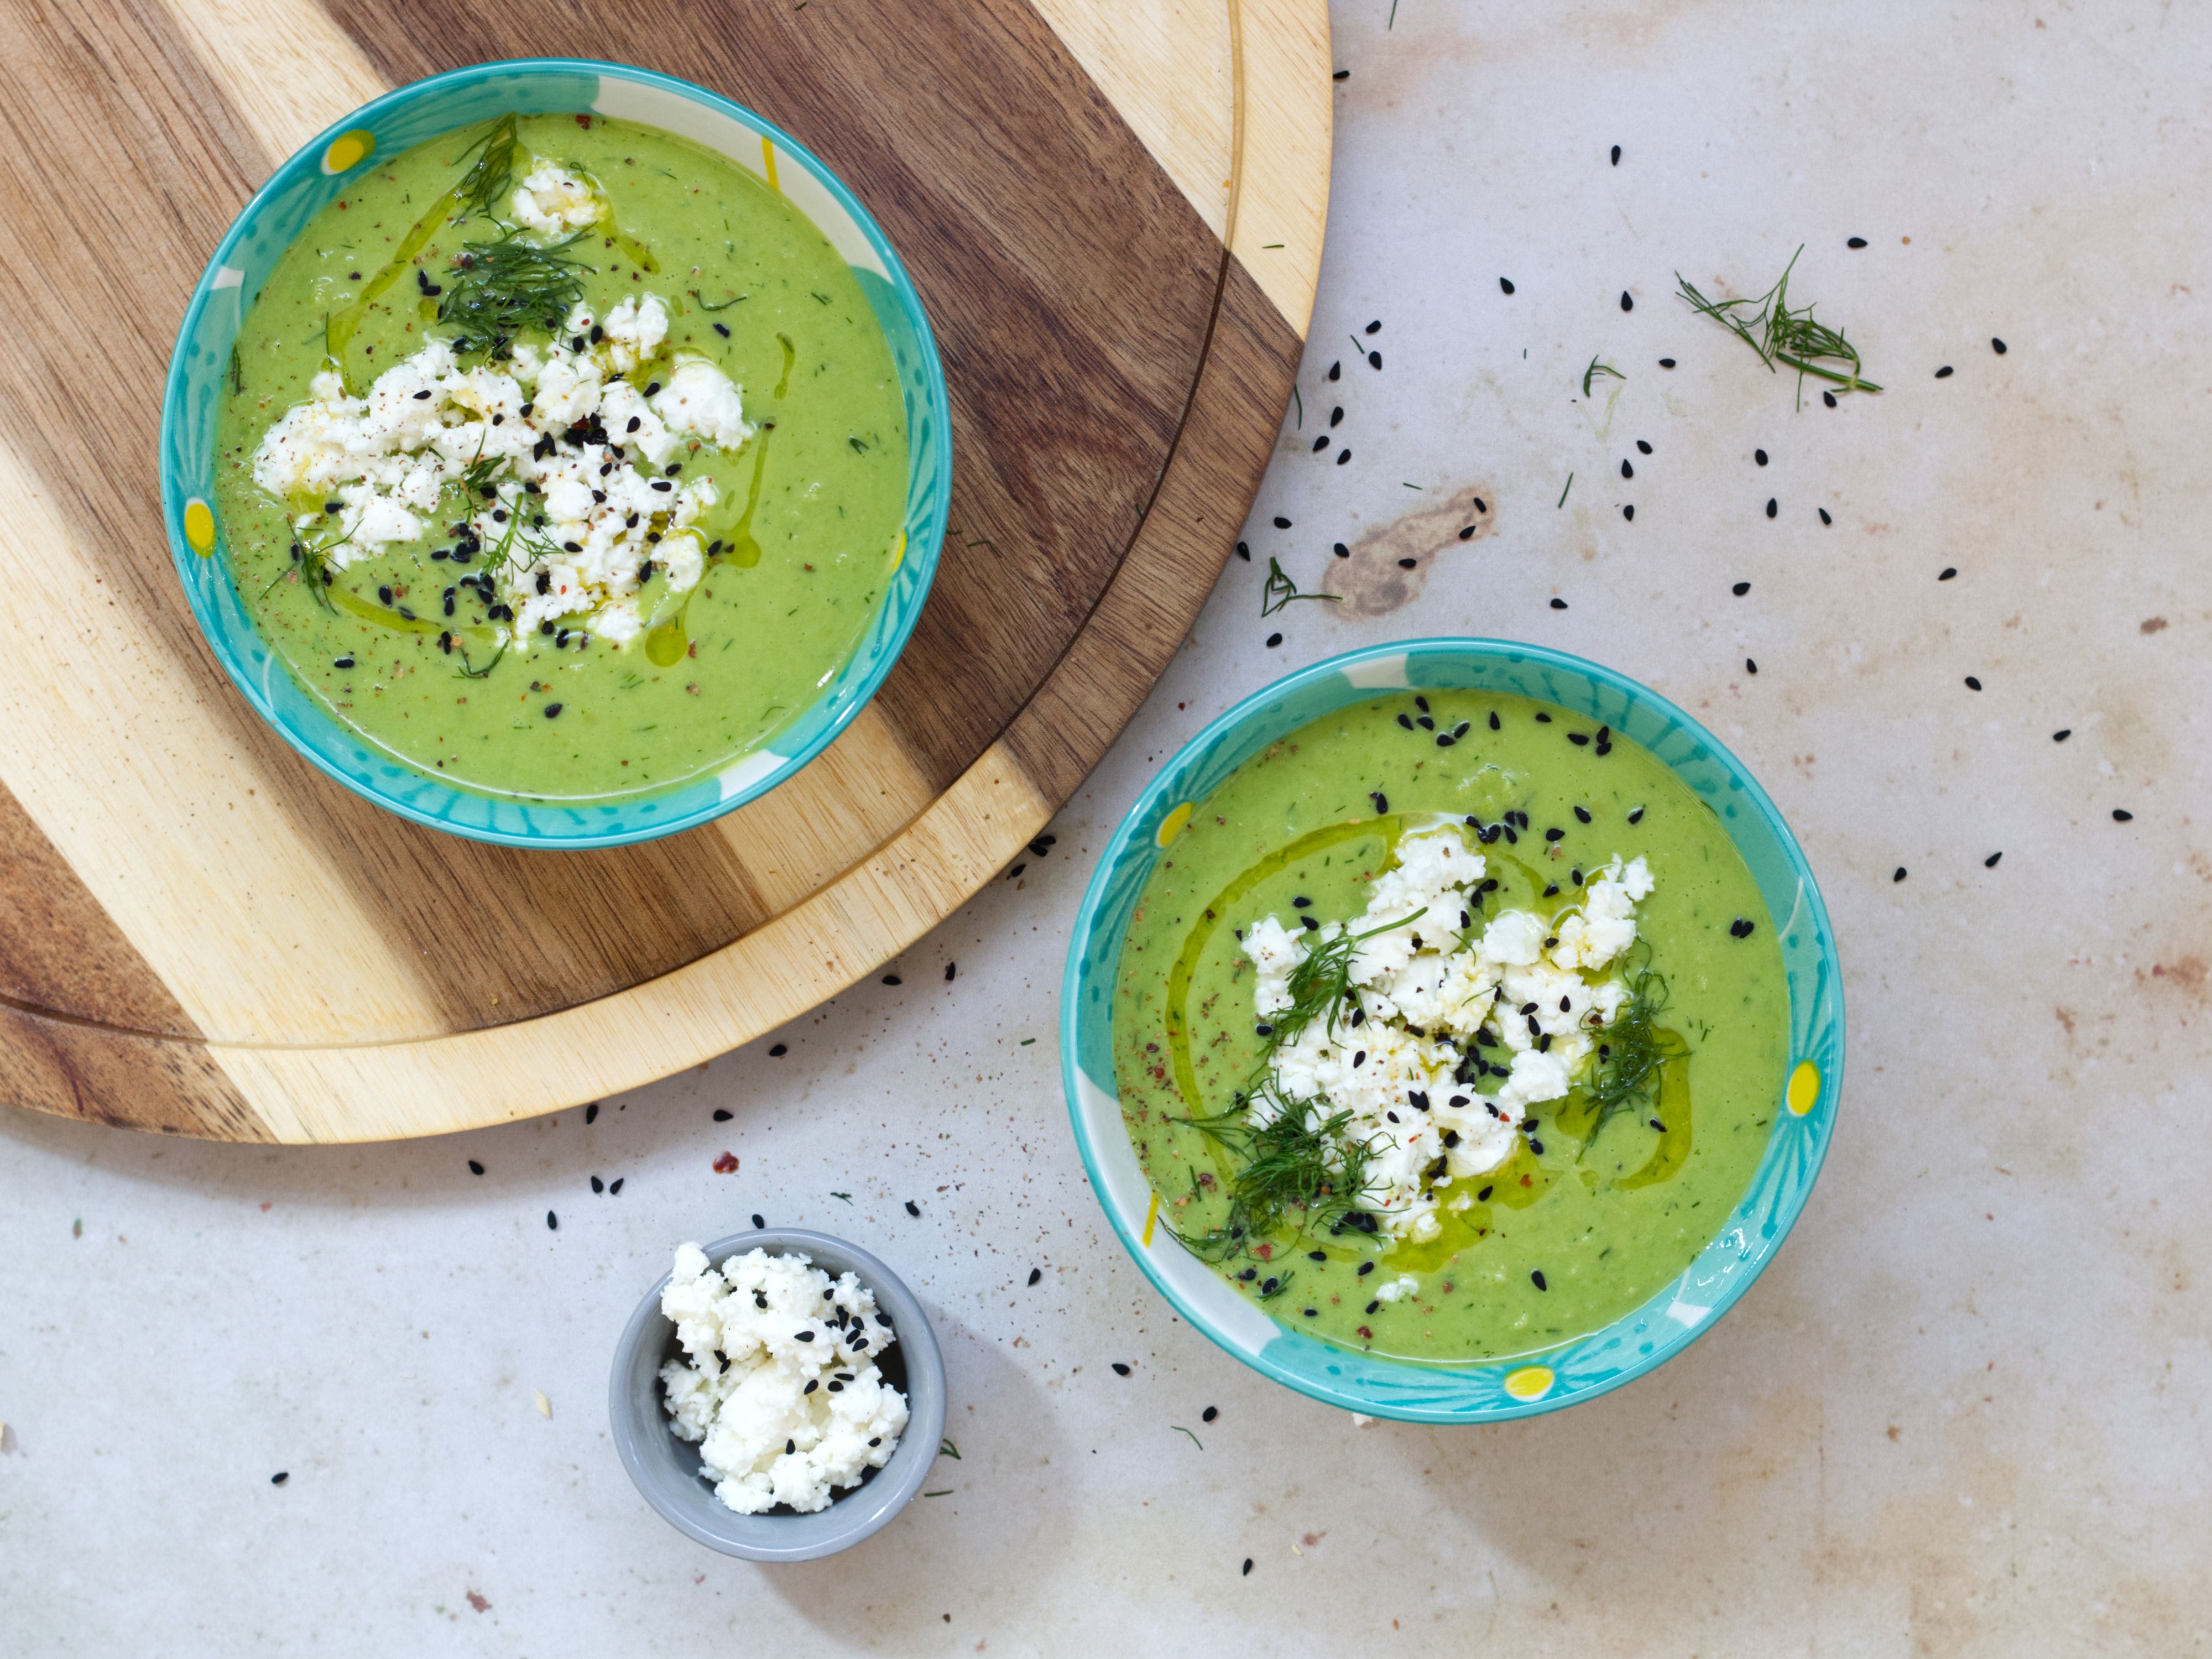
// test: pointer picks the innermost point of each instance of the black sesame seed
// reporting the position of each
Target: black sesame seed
(1627, 303)
(1342, 456)
(1494, 721)
(1666, 362)
(1559, 604)
(2121, 815)
(1374, 360)
(1036, 1273)
(1944, 372)
(722, 328)
(1990, 862)
(1616, 155)
(1209, 1413)
(950, 968)
(1407, 564)
(1974, 682)
(1997, 346)
(1321, 443)
(1750, 666)
(1899, 876)
(1505, 283)
(893, 979)
(1559, 834)
(723, 1115)
(552, 709)
(341, 662)
(1580, 739)
(1536, 1278)
(475, 1167)
(598, 1185)
(1381, 801)
(1281, 523)
(1829, 399)
(779, 1051)
(1643, 448)
(1247, 1572)
(1626, 470)
(1244, 551)
(1375, 327)
(2061, 734)
(1823, 512)
(1855, 241)
(1336, 415)
(802, 1336)
(1336, 370)
(1628, 511)
(1372, 1306)
(1274, 640)
(1949, 572)
(280, 1477)
(1772, 506)
(1341, 551)
(1740, 589)
(1405, 720)
(552, 1222)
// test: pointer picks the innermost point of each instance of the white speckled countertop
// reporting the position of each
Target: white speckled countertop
(1963, 1413)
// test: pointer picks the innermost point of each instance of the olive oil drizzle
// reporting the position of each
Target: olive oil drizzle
(1390, 829)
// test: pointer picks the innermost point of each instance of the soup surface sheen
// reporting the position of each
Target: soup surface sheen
(808, 508)
(1576, 1227)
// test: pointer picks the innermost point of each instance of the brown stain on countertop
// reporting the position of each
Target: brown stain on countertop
(1386, 569)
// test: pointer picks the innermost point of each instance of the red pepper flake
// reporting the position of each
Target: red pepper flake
(726, 1164)
(585, 122)
(1265, 1252)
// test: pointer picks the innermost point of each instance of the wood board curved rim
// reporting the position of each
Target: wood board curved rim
(1272, 218)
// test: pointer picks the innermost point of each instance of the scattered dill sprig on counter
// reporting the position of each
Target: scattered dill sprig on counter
(498, 289)
(1779, 335)
(1281, 590)
(1595, 369)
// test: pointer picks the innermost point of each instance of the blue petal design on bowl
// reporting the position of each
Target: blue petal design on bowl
(273, 219)
(1493, 1391)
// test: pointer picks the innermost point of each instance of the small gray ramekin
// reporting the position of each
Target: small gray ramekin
(666, 1469)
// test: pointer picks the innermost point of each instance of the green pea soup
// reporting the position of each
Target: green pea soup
(1583, 1221)
(810, 510)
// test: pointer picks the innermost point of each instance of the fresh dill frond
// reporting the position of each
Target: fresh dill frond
(724, 306)
(1319, 986)
(1297, 1162)
(1779, 335)
(1281, 590)
(489, 177)
(469, 671)
(1633, 1048)
(498, 289)
(1595, 369)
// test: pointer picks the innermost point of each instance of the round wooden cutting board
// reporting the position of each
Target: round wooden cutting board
(1113, 209)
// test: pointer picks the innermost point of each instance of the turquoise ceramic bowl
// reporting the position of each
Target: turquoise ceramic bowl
(1806, 1094)
(310, 181)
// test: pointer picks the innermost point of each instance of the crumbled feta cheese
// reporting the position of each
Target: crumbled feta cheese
(363, 473)
(635, 329)
(1397, 1289)
(699, 398)
(781, 1394)
(553, 201)
(1438, 993)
